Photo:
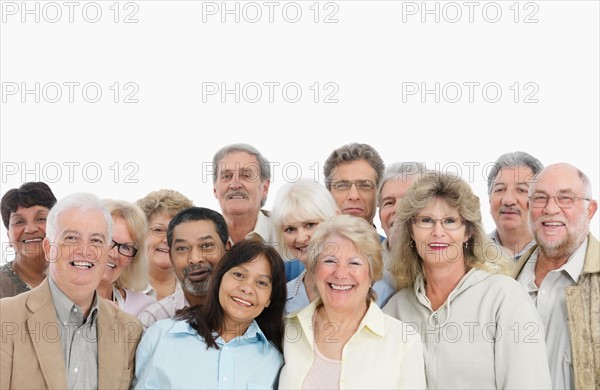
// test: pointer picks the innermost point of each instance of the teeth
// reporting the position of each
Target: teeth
(162, 250)
(111, 265)
(32, 240)
(553, 224)
(246, 303)
(340, 288)
(438, 245)
(84, 264)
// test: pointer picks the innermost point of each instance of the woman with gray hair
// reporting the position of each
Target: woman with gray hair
(127, 271)
(342, 339)
(479, 327)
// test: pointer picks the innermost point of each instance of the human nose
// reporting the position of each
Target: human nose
(509, 198)
(552, 206)
(353, 192)
(438, 229)
(196, 256)
(303, 236)
(31, 227)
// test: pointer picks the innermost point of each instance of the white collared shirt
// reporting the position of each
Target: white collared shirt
(549, 299)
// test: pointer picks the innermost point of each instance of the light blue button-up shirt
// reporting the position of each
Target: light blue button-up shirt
(172, 355)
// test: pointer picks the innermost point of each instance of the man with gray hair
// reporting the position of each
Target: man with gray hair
(396, 180)
(352, 173)
(61, 334)
(508, 187)
(241, 178)
(562, 274)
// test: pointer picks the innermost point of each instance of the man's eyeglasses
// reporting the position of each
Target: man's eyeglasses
(448, 223)
(158, 230)
(126, 250)
(345, 185)
(564, 201)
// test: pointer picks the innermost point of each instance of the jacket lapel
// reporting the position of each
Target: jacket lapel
(45, 333)
(110, 347)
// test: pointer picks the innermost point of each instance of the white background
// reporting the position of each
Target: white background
(375, 51)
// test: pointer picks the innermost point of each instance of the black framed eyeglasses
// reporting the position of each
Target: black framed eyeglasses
(564, 201)
(345, 185)
(126, 250)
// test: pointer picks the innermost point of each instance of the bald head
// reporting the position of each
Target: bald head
(560, 229)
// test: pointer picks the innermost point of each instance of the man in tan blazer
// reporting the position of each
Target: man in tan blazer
(62, 334)
(562, 274)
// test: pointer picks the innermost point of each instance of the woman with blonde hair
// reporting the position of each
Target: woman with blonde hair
(343, 339)
(160, 207)
(479, 327)
(127, 273)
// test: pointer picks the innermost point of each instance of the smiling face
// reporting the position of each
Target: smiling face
(560, 231)
(196, 251)
(244, 292)
(438, 246)
(239, 188)
(117, 262)
(27, 230)
(156, 243)
(79, 257)
(342, 275)
(509, 201)
(354, 201)
(391, 194)
(296, 235)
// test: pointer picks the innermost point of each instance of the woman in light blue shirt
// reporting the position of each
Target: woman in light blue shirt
(234, 341)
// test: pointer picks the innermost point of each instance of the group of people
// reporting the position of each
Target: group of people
(163, 294)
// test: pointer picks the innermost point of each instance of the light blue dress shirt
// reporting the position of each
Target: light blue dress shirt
(172, 355)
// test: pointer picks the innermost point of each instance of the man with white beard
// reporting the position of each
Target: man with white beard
(562, 274)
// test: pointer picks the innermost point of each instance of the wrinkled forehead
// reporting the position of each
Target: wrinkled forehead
(235, 161)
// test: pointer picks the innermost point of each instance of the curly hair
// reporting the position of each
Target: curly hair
(481, 252)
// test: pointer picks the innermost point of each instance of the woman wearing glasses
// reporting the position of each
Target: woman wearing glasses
(160, 207)
(126, 273)
(479, 328)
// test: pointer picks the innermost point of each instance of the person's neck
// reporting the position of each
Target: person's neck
(344, 320)
(440, 281)
(547, 263)
(239, 226)
(515, 240)
(163, 281)
(79, 296)
(194, 299)
(30, 270)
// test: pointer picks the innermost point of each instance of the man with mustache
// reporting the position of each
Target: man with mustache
(241, 178)
(508, 189)
(197, 237)
(562, 274)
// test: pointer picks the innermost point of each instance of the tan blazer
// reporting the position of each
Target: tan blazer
(583, 309)
(31, 351)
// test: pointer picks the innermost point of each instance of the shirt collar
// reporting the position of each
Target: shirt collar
(252, 334)
(63, 305)
(373, 319)
(574, 266)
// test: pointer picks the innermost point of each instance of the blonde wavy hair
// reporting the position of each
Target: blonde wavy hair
(480, 252)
